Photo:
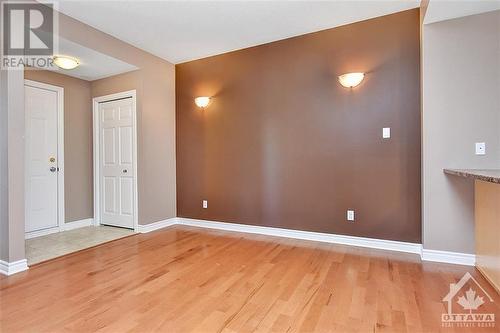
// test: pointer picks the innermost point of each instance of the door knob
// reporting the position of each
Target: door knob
(53, 169)
(124, 170)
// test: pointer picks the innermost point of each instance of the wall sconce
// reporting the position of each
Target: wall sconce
(351, 80)
(202, 101)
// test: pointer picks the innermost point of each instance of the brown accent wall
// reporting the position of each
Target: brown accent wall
(78, 177)
(284, 145)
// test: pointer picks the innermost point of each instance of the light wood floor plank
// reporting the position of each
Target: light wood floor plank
(183, 279)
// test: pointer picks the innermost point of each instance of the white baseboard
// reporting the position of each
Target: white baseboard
(66, 226)
(145, 228)
(9, 268)
(449, 257)
(43, 232)
(372, 243)
(77, 224)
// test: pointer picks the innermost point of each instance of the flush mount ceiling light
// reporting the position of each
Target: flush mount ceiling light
(351, 80)
(66, 62)
(202, 101)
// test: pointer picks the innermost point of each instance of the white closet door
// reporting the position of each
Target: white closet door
(41, 158)
(116, 159)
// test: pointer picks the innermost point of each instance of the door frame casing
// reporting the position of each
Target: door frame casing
(60, 156)
(97, 146)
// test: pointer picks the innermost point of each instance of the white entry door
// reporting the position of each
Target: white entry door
(42, 103)
(117, 183)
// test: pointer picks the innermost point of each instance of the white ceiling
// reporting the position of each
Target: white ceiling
(440, 10)
(93, 65)
(180, 31)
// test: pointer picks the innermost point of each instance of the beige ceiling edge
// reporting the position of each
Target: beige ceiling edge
(102, 42)
(439, 10)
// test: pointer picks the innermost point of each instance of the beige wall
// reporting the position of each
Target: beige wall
(78, 96)
(156, 132)
(118, 83)
(461, 106)
(11, 165)
(155, 125)
(78, 185)
(4, 170)
(155, 82)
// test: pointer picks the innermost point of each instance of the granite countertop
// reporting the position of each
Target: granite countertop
(489, 175)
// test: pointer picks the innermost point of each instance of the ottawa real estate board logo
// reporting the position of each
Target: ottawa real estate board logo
(29, 32)
(463, 304)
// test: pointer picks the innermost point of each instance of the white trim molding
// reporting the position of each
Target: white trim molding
(372, 243)
(96, 146)
(64, 227)
(77, 224)
(43, 232)
(9, 268)
(449, 257)
(145, 228)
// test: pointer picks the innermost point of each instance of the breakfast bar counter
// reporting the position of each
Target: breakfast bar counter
(487, 175)
(486, 219)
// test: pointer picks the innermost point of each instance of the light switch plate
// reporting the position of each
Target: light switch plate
(350, 215)
(205, 204)
(386, 132)
(480, 148)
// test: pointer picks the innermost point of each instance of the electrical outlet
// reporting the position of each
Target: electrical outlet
(205, 204)
(350, 215)
(386, 132)
(480, 148)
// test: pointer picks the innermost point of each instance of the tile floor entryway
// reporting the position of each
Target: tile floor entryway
(55, 245)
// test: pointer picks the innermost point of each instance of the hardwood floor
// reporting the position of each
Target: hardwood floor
(184, 279)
